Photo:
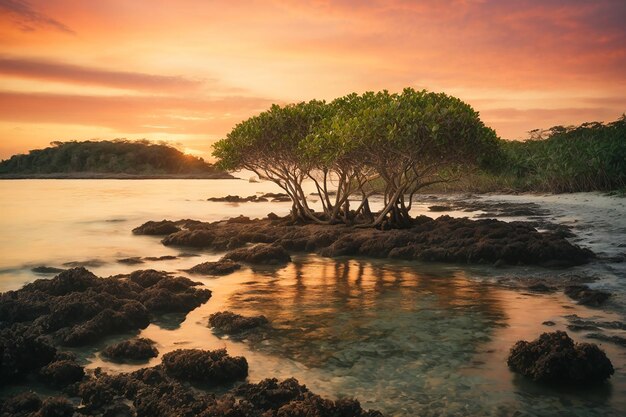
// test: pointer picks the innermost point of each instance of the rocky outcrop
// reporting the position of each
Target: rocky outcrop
(211, 367)
(221, 267)
(62, 373)
(586, 296)
(137, 349)
(444, 239)
(163, 227)
(555, 358)
(290, 398)
(227, 322)
(29, 404)
(76, 308)
(47, 270)
(273, 197)
(260, 254)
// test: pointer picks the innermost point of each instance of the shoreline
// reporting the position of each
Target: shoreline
(120, 176)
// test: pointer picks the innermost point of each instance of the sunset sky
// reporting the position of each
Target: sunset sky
(187, 71)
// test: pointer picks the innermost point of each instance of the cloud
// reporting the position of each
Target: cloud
(29, 19)
(58, 71)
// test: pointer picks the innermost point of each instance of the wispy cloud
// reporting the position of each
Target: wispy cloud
(59, 71)
(30, 19)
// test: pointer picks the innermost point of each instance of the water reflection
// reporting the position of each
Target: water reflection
(405, 339)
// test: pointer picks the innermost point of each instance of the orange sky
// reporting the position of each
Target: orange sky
(186, 71)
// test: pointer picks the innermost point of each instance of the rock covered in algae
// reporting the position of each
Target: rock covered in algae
(556, 358)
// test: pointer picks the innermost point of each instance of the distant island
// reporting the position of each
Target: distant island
(115, 159)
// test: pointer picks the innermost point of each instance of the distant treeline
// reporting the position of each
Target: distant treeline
(118, 156)
(588, 157)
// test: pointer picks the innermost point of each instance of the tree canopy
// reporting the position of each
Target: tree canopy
(116, 156)
(407, 140)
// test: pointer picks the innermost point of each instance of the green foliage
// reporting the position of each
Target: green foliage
(589, 157)
(117, 156)
(410, 140)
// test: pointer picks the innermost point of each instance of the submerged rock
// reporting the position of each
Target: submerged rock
(615, 339)
(130, 261)
(212, 367)
(264, 254)
(134, 349)
(221, 267)
(164, 227)
(160, 258)
(586, 296)
(47, 270)
(541, 287)
(554, 357)
(227, 322)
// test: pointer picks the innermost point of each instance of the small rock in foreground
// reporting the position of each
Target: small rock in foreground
(227, 322)
(554, 357)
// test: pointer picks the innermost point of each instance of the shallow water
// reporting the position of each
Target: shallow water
(403, 337)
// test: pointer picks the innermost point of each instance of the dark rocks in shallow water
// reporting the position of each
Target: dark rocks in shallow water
(444, 239)
(197, 238)
(439, 208)
(76, 307)
(160, 258)
(290, 398)
(22, 353)
(241, 219)
(73, 280)
(61, 373)
(164, 227)
(130, 261)
(212, 367)
(132, 315)
(549, 323)
(615, 339)
(151, 392)
(134, 349)
(582, 323)
(221, 267)
(541, 287)
(47, 270)
(91, 263)
(235, 199)
(22, 404)
(585, 295)
(274, 197)
(28, 404)
(555, 358)
(227, 322)
(260, 254)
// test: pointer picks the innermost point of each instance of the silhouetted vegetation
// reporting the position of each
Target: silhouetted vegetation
(117, 157)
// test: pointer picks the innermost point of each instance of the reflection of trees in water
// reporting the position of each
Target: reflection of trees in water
(341, 310)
